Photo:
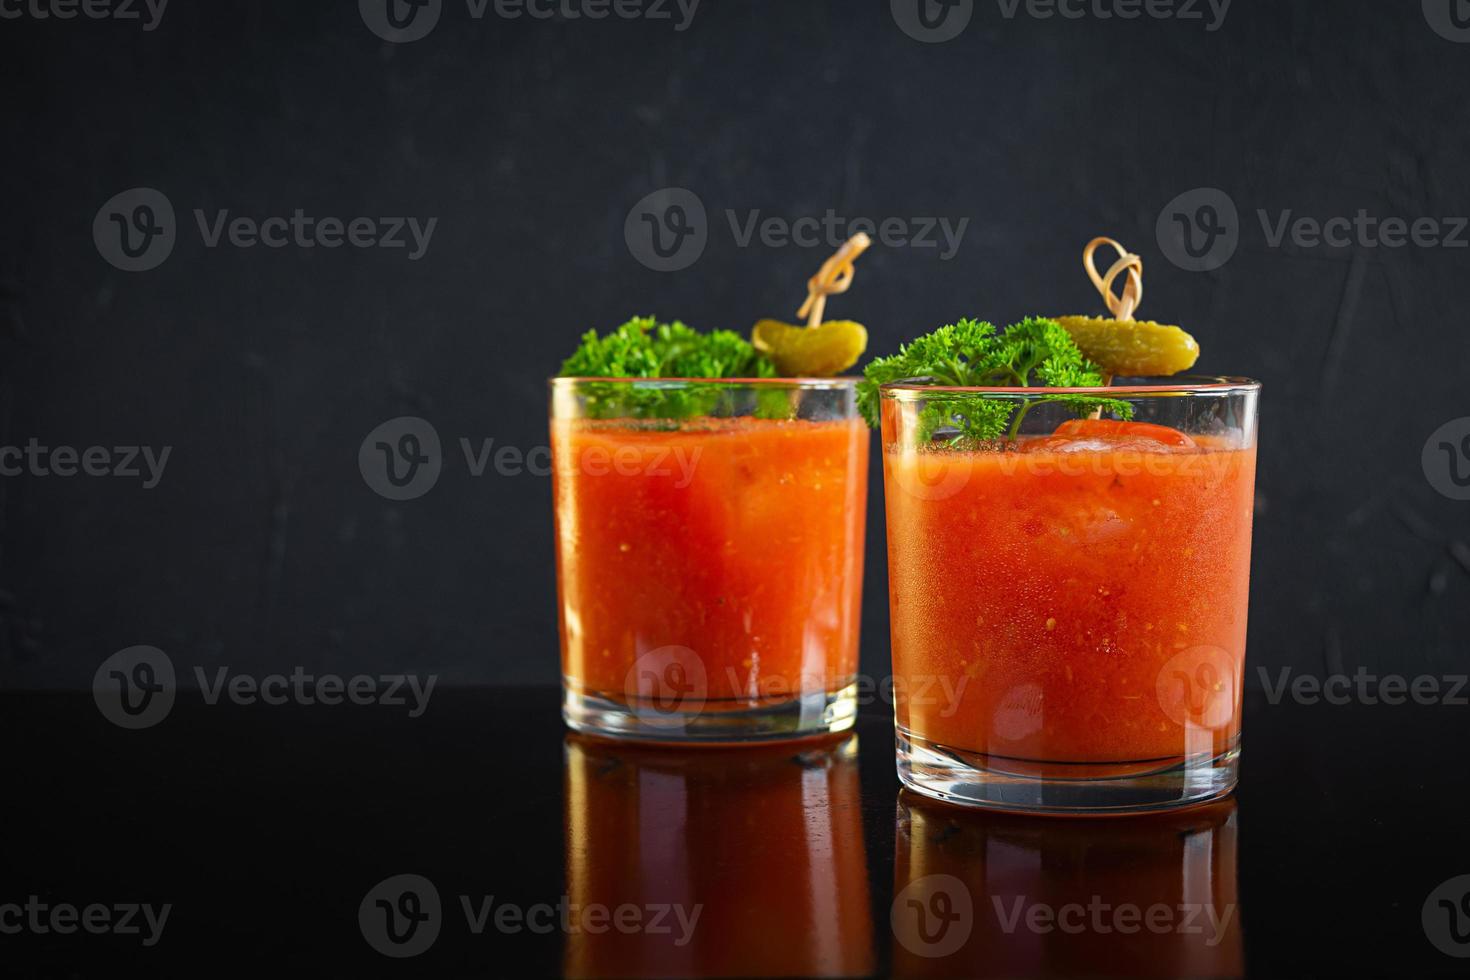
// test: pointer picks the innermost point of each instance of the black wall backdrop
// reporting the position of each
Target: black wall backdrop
(528, 141)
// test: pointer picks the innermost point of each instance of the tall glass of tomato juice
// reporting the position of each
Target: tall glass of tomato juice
(1069, 607)
(709, 541)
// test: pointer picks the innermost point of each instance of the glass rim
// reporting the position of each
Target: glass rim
(1203, 384)
(816, 384)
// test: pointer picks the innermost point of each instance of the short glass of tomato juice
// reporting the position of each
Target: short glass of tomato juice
(709, 542)
(1068, 607)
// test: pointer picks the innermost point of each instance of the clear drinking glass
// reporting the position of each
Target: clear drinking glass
(1069, 607)
(709, 555)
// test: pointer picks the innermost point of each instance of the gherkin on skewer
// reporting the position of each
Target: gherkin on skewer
(811, 352)
(821, 348)
(1132, 348)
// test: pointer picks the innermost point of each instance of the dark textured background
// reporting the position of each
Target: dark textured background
(263, 548)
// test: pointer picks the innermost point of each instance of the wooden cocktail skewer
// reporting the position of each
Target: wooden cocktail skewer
(834, 277)
(817, 349)
(1123, 306)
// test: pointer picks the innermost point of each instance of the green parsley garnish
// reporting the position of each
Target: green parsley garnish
(646, 348)
(973, 354)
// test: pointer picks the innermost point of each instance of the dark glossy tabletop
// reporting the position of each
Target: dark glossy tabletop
(267, 831)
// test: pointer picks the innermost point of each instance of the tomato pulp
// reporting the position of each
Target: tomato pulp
(737, 542)
(1078, 598)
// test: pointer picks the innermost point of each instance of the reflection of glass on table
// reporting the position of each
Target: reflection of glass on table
(989, 894)
(764, 844)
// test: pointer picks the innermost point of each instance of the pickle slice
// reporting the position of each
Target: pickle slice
(811, 352)
(1133, 348)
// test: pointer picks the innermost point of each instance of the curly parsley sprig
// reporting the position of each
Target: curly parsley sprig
(973, 354)
(645, 348)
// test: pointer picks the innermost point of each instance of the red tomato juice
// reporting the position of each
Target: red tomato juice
(1079, 598)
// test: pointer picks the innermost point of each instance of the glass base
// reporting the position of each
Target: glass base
(974, 779)
(711, 721)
